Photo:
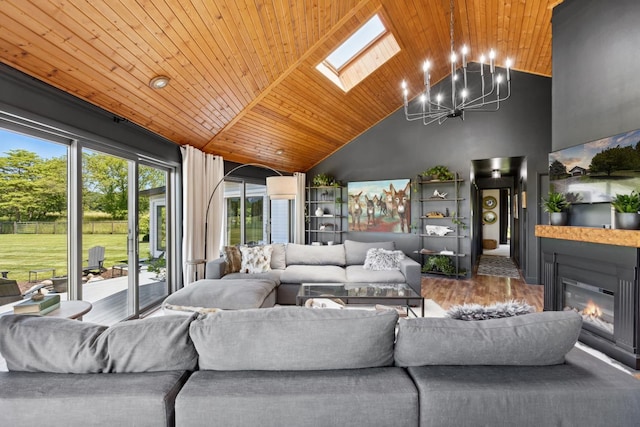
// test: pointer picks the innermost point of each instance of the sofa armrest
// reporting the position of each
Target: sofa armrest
(411, 270)
(215, 269)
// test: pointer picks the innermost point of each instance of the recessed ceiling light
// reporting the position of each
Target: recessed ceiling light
(159, 82)
(279, 151)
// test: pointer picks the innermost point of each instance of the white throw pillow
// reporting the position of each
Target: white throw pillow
(382, 259)
(256, 259)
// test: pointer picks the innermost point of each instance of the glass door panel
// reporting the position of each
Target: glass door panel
(107, 261)
(33, 217)
(152, 241)
(233, 213)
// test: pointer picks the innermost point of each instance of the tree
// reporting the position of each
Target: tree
(106, 183)
(31, 187)
(615, 159)
(557, 170)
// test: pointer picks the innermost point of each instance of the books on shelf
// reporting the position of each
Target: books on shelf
(41, 307)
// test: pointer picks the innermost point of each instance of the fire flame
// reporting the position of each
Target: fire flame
(592, 310)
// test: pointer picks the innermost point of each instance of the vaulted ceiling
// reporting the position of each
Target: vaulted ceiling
(243, 78)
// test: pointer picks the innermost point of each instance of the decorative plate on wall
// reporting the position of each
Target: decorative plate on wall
(489, 217)
(489, 202)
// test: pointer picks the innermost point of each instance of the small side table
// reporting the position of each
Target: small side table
(195, 262)
(71, 309)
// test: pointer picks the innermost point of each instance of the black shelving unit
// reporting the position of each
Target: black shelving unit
(438, 211)
(324, 214)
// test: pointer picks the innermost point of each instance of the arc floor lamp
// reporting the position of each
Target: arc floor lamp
(279, 187)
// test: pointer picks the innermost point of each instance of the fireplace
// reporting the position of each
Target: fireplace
(595, 305)
(600, 282)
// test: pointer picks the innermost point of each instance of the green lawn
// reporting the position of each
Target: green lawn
(20, 253)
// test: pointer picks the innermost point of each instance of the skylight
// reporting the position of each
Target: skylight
(355, 44)
(361, 54)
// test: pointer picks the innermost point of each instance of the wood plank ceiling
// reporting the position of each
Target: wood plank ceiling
(243, 78)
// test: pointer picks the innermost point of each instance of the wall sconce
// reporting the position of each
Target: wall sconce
(496, 173)
(159, 82)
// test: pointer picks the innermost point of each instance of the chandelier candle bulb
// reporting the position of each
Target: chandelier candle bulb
(492, 64)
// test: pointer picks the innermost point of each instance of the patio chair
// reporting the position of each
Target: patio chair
(9, 291)
(95, 261)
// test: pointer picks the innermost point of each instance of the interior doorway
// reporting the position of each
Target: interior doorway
(496, 222)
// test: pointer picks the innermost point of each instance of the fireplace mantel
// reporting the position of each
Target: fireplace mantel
(603, 236)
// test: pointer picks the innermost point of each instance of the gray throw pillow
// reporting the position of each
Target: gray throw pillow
(536, 339)
(356, 252)
(294, 339)
(44, 344)
(278, 256)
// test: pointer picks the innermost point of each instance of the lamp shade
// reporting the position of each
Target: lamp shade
(282, 187)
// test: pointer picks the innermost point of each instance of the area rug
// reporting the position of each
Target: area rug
(500, 266)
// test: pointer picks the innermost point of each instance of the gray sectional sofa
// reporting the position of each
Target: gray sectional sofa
(293, 264)
(294, 366)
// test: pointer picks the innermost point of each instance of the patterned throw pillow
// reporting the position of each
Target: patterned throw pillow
(256, 259)
(233, 259)
(382, 259)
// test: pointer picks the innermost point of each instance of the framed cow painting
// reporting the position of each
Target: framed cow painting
(380, 206)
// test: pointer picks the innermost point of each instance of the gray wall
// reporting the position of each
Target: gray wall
(595, 90)
(395, 148)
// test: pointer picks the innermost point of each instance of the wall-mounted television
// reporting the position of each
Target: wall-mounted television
(596, 171)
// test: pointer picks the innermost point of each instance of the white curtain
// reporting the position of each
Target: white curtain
(201, 173)
(298, 217)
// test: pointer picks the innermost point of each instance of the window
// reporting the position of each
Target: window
(361, 54)
(245, 216)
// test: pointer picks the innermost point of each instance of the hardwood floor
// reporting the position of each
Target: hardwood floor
(481, 290)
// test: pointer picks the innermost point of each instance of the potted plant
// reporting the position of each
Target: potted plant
(556, 204)
(322, 180)
(438, 173)
(627, 207)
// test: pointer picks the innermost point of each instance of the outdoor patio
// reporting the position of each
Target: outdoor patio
(109, 297)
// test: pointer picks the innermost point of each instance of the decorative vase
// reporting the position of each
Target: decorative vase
(558, 218)
(319, 212)
(627, 220)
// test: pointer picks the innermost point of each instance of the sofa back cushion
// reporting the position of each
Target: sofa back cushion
(149, 345)
(534, 339)
(315, 255)
(356, 252)
(294, 338)
(42, 344)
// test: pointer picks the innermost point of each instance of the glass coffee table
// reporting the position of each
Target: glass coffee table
(363, 293)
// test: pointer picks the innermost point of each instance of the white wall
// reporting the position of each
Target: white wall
(492, 231)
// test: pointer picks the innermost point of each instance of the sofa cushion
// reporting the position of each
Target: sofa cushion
(224, 294)
(273, 275)
(357, 397)
(278, 256)
(358, 274)
(142, 399)
(294, 338)
(356, 252)
(149, 345)
(584, 391)
(533, 339)
(313, 274)
(44, 344)
(315, 255)
(255, 259)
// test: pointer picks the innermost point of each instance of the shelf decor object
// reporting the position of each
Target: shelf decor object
(489, 217)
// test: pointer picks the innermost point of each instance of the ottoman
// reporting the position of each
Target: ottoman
(210, 295)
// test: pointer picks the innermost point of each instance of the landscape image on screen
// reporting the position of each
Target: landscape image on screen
(596, 171)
